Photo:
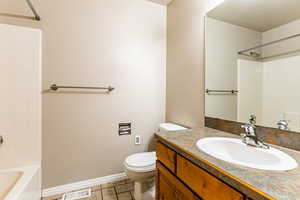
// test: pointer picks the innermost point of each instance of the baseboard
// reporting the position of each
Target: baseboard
(82, 184)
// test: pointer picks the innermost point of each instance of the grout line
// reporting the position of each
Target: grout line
(125, 192)
(132, 197)
(116, 193)
(101, 192)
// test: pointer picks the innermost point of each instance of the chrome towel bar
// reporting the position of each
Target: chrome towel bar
(55, 87)
(221, 91)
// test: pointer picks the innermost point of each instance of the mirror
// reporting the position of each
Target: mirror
(253, 62)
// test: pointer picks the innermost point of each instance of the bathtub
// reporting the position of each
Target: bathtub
(20, 183)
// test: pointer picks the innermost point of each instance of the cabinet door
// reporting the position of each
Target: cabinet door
(170, 188)
(166, 156)
(166, 190)
(204, 184)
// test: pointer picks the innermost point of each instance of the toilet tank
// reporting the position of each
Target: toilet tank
(170, 127)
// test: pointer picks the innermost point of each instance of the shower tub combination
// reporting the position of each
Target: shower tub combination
(20, 183)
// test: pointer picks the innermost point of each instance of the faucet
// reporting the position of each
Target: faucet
(250, 137)
(283, 125)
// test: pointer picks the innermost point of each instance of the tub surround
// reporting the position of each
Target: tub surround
(21, 183)
(7, 181)
(255, 184)
(288, 139)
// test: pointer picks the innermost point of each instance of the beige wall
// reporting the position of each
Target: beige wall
(20, 86)
(281, 74)
(185, 61)
(283, 31)
(222, 65)
(250, 84)
(99, 43)
(280, 81)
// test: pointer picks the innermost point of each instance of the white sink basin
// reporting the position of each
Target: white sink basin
(235, 151)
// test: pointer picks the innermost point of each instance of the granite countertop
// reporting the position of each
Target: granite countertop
(257, 184)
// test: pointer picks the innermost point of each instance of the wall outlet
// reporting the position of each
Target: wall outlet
(137, 140)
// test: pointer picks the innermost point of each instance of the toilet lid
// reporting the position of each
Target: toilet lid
(141, 161)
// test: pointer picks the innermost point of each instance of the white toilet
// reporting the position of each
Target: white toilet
(140, 168)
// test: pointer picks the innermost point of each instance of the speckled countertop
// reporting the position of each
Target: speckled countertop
(257, 184)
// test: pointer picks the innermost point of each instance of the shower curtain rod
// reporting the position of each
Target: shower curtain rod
(36, 16)
(269, 43)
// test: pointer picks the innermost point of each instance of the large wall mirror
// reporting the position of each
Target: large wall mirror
(253, 62)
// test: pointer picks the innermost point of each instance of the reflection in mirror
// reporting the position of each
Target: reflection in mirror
(253, 62)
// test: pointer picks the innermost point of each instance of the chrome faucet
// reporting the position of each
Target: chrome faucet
(250, 137)
(283, 125)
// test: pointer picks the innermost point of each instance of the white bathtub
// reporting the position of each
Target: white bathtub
(20, 183)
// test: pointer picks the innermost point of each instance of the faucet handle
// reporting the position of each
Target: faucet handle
(249, 129)
(283, 124)
(252, 119)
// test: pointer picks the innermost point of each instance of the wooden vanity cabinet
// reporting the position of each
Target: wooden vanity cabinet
(171, 188)
(166, 156)
(204, 184)
(179, 179)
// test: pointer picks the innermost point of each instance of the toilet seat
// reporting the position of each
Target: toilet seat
(141, 162)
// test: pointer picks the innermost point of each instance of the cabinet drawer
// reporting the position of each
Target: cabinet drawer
(170, 188)
(166, 156)
(204, 184)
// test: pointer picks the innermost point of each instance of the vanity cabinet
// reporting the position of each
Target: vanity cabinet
(166, 156)
(170, 187)
(179, 179)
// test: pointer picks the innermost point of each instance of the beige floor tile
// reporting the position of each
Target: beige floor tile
(96, 188)
(107, 185)
(124, 188)
(119, 182)
(97, 194)
(109, 194)
(125, 196)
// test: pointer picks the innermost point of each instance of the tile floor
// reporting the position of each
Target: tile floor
(121, 190)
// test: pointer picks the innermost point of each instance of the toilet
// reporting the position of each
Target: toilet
(140, 168)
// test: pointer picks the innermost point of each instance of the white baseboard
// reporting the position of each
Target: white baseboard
(82, 184)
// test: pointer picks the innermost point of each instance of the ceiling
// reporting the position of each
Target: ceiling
(259, 15)
(20, 7)
(163, 2)
(17, 7)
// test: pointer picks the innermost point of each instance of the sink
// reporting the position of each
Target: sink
(236, 152)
